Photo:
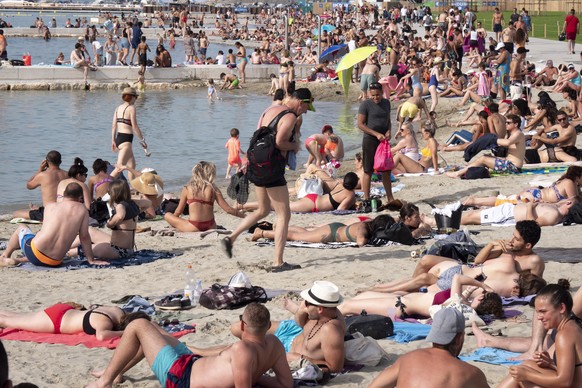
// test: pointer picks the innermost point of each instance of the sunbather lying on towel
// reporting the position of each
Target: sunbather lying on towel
(359, 232)
(566, 187)
(104, 322)
(340, 197)
(479, 296)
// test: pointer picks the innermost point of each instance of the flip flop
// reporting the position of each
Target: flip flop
(285, 267)
(227, 246)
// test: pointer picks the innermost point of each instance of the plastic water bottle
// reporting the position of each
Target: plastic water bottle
(190, 283)
(196, 293)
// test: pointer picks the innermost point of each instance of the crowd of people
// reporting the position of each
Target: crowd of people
(456, 57)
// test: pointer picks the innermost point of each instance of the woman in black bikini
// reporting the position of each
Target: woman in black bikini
(359, 232)
(123, 221)
(104, 322)
(199, 195)
(123, 127)
(554, 309)
(340, 196)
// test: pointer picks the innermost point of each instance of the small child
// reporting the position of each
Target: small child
(234, 151)
(142, 52)
(212, 90)
(274, 84)
(140, 84)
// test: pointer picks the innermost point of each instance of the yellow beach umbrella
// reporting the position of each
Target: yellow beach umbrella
(356, 56)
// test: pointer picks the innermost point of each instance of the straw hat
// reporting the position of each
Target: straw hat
(130, 91)
(323, 293)
(148, 184)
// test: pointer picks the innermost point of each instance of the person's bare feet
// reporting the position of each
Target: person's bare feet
(98, 384)
(98, 373)
(523, 357)
(289, 305)
(451, 174)
(481, 337)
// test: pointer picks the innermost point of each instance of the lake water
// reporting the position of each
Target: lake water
(181, 126)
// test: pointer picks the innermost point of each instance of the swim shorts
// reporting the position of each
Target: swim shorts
(56, 313)
(502, 215)
(286, 332)
(365, 81)
(445, 281)
(165, 360)
(504, 166)
(408, 110)
(235, 83)
(497, 28)
(203, 51)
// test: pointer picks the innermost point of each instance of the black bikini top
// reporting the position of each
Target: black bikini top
(131, 210)
(87, 328)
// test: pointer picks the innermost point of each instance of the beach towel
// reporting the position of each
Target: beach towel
(492, 356)
(24, 221)
(405, 332)
(143, 256)
(429, 172)
(89, 341)
(516, 301)
(312, 383)
(331, 245)
(380, 191)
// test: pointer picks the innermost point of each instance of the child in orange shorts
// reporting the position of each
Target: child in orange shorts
(234, 151)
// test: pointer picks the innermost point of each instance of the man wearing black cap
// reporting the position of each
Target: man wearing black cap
(437, 366)
(272, 193)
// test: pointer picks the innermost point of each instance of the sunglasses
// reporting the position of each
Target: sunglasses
(308, 100)
(509, 122)
(307, 304)
(168, 322)
(563, 119)
(240, 317)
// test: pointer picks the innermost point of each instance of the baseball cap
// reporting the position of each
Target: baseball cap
(571, 66)
(446, 324)
(522, 50)
(500, 46)
(304, 95)
(550, 62)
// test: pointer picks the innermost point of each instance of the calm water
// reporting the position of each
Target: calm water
(181, 128)
(45, 52)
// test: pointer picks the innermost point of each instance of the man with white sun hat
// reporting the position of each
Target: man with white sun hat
(317, 332)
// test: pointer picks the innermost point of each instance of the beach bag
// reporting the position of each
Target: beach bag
(266, 163)
(370, 325)
(477, 173)
(170, 206)
(562, 37)
(396, 232)
(383, 160)
(99, 211)
(363, 351)
(220, 297)
(309, 185)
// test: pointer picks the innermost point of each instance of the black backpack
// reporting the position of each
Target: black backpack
(266, 163)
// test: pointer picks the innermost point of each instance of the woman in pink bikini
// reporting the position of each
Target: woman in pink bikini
(200, 194)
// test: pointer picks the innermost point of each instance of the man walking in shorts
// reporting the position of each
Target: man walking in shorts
(571, 29)
(374, 121)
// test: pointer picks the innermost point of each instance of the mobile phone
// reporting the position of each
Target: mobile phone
(480, 277)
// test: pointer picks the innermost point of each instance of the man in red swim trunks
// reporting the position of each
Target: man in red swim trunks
(571, 29)
(240, 364)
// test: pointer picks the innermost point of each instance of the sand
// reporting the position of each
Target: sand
(350, 268)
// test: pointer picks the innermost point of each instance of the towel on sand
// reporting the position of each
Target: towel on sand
(492, 356)
(405, 332)
(139, 257)
(87, 340)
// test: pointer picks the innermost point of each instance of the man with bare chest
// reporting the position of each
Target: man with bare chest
(317, 332)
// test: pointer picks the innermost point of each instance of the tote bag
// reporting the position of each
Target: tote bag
(383, 160)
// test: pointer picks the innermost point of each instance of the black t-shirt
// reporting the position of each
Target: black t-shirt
(376, 115)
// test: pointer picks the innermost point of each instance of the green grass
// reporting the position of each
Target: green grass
(549, 19)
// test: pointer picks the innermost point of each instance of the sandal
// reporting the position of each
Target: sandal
(285, 267)
(173, 302)
(227, 246)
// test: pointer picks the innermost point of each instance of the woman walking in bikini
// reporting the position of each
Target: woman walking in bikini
(123, 128)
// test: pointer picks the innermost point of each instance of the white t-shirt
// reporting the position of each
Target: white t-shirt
(474, 35)
(220, 59)
(351, 45)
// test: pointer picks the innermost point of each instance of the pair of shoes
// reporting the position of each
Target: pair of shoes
(285, 267)
(173, 302)
(227, 246)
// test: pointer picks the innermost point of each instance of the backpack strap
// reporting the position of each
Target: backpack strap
(273, 124)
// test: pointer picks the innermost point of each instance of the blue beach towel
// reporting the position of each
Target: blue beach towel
(405, 332)
(143, 256)
(492, 356)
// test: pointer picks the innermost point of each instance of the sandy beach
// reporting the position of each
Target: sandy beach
(350, 268)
